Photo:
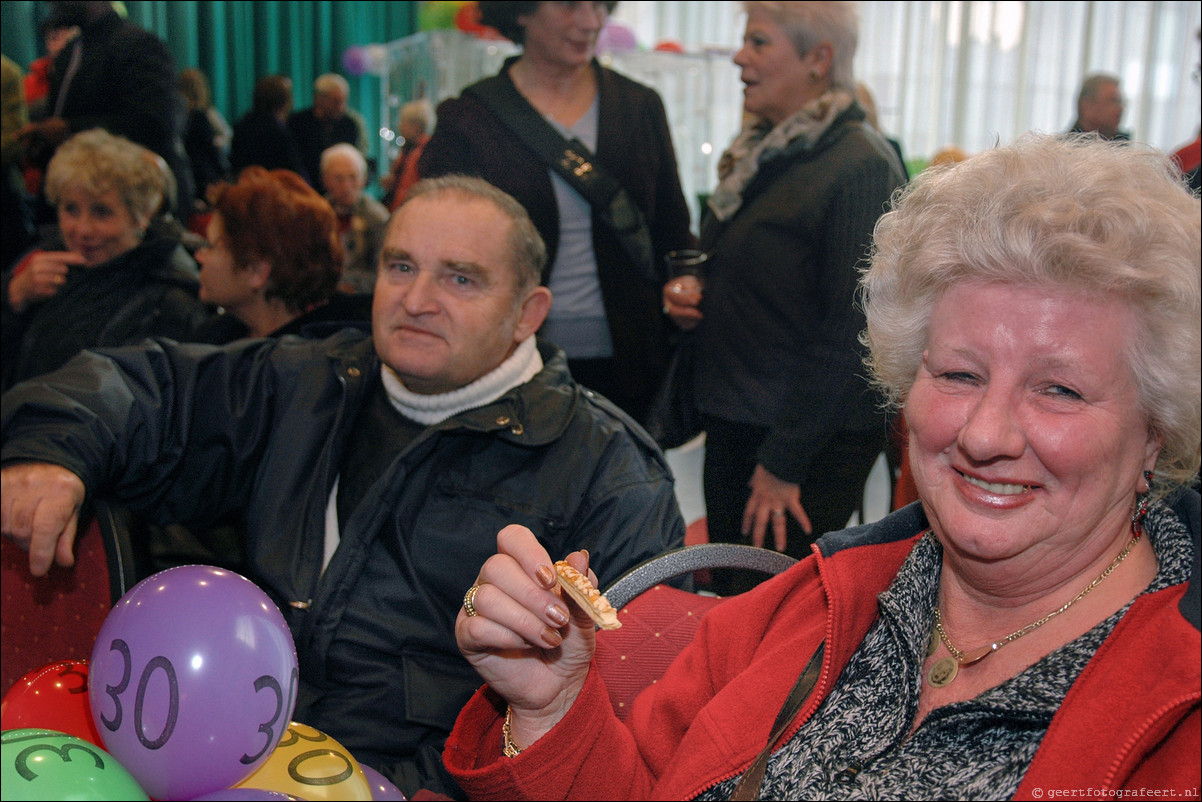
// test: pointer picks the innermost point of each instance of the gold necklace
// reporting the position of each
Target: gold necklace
(945, 669)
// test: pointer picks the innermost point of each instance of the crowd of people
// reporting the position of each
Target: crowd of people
(220, 328)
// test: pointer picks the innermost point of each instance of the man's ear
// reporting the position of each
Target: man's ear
(533, 312)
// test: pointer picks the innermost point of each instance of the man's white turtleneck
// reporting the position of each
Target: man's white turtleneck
(521, 366)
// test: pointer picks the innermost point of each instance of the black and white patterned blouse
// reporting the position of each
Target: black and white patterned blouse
(856, 744)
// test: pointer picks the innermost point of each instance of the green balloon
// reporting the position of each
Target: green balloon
(438, 15)
(45, 764)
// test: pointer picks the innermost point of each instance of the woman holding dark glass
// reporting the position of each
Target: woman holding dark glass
(792, 426)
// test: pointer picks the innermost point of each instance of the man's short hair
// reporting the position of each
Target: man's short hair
(1092, 86)
(527, 251)
(324, 84)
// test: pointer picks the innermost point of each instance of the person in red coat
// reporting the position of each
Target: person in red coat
(1030, 626)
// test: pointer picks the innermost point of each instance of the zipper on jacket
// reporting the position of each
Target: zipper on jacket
(804, 716)
(1121, 757)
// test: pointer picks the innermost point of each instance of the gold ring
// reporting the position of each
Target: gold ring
(469, 599)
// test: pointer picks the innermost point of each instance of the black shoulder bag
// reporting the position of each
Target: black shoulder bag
(572, 160)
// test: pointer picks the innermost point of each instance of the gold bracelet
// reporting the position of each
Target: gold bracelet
(508, 747)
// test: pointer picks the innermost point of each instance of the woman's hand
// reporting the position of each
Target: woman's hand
(682, 297)
(771, 499)
(528, 643)
(41, 276)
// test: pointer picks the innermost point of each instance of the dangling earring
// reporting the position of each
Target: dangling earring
(1141, 507)
(813, 76)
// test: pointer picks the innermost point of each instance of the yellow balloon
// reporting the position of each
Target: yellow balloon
(309, 764)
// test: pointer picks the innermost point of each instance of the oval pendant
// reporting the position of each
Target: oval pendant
(943, 672)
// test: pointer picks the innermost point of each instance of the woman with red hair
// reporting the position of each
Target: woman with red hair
(272, 258)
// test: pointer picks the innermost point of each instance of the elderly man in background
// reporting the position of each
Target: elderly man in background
(1100, 107)
(371, 473)
(117, 76)
(361, 218)
(327, 122)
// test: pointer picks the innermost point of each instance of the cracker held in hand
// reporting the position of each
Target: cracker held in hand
(588, 597)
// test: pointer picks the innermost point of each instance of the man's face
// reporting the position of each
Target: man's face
(447, 309)
(1104, 111)
(343, 181)
(58, 38)
(329, 105)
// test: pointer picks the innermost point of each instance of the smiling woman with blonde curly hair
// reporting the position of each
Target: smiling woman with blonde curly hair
(105, 276)
(1029, 627)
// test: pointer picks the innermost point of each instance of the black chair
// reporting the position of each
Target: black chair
(687, 559)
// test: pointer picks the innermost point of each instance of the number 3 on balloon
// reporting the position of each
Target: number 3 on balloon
(268, 727)
(114, 724)
(114, 692)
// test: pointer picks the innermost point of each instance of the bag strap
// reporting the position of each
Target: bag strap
(576, 164)
(749, 784)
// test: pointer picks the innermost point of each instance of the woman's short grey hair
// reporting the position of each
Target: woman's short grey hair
(347, 151)
(97, 162)
(529, 252)
(1104, 219)
(810, 24)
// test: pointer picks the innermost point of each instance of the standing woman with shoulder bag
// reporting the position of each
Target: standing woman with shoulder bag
(588, 153)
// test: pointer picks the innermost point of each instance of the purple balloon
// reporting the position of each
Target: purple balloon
(381, 787)
(354, 60)
(193, 680)
(616, 37)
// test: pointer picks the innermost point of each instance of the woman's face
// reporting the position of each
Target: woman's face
(564, 33)
(222, 282)
(99, 227)
(1026, 434)
(776, 79)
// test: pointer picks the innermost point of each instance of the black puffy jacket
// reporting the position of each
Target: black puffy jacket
(148, 291)
(189, 433)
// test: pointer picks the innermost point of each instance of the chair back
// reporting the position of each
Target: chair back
(658, 620)
(57, 617)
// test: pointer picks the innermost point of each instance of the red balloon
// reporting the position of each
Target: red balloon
(53, 697)
(467, 19)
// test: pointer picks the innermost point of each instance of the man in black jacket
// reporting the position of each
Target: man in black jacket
(371, 474)
(328, 122)
(119, 77)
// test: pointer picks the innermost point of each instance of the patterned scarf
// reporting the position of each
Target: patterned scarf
(760, 142)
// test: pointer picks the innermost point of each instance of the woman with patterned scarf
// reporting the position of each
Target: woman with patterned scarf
(792, 428)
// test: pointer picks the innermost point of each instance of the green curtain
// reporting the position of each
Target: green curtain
(236, 42)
